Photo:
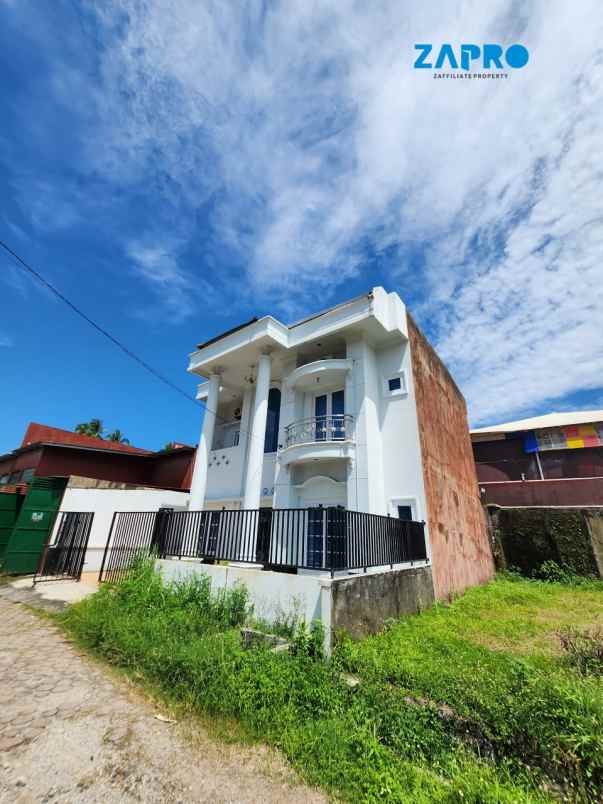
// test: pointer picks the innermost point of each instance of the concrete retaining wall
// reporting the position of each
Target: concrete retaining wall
(358, 604)
(362, 604)
(525, 537)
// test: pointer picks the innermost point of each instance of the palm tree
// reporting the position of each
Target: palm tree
(118, 437)
(92, 428)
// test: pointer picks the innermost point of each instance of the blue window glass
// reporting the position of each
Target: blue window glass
(395, 384)
(272, 420)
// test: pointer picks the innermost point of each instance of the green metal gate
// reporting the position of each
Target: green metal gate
(34, 525)
(10, 505)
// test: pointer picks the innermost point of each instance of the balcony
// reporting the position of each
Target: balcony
(320, 437)
(326, 373)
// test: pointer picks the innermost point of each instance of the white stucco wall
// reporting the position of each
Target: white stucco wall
(104, 502)
(273, 594)
(401, 450)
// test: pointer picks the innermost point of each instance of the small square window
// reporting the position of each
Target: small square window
(28, 475)
(395, 384)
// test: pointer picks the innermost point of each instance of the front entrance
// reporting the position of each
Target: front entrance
(326, 537)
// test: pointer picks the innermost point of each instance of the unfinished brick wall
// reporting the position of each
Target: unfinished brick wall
(460, 546)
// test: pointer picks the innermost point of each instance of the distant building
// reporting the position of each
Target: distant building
(51, 452)
(550, 460)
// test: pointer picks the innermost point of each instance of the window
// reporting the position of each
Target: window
(395, 384)
(28, 475)
(272, 420)
(405, 508)
(3, 480)
(405, 512)
(14, 478)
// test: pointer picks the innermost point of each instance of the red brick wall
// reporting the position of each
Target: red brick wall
(461, 553)
(583, 491)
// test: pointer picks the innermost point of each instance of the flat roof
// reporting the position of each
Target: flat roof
(554, 419)
(227, 333)
(239, 327)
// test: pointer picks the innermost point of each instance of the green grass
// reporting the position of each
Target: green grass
(465, 702)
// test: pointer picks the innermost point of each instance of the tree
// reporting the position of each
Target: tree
(118, 437)
(169, 446)
(92, 428)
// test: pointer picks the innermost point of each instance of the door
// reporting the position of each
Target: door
(262, 547)
(328, 412)
(208, 543)
(326, 538)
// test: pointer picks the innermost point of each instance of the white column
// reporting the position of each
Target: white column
(255, 452)
(199, 481)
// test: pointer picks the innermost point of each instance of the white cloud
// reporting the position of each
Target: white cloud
(177, 291)
(5, 340)
(309, 120)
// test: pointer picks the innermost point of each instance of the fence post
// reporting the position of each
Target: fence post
(100, 574)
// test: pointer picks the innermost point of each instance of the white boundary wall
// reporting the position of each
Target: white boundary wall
(275, 595)
(104, 502)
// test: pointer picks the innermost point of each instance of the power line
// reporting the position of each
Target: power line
(115, 341)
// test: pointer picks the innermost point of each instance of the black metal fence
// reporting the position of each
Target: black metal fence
(64, 557)
(330, 539)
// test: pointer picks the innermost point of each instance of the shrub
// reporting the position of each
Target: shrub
(584, 650)
(552, 572)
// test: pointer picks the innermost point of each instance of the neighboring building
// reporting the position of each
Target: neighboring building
(550, 460)
(52, 452)
(350, 407)
(57, 470)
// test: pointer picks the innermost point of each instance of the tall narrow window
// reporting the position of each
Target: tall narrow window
(272, 420)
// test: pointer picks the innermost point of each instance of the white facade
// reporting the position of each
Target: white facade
(321, 412)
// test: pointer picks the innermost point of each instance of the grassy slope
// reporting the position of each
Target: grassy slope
(491, 657)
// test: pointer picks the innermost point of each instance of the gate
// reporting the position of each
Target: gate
(64, 558)
(33, 526)
(133, 534)
(10, 505)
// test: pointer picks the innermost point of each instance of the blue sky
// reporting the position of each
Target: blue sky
(175, 167)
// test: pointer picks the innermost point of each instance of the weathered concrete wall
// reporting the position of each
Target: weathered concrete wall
(361, 605)
(594, 523)
(460, 548)
(527, 537)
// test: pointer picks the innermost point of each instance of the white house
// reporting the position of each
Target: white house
(321, 412)
(349, 408)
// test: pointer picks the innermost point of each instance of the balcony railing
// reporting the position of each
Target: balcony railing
(286, 539)
(338, 427)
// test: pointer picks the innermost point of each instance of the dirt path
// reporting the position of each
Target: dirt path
(70, 733)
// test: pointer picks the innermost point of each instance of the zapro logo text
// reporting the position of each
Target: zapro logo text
(489, 57)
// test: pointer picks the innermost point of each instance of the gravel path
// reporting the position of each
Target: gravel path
(71, 733)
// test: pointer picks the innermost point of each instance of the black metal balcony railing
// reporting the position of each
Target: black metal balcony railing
(338, 427)
(330, 539)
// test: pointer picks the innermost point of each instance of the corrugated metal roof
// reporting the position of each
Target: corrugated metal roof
(42, 433)
(542, 422)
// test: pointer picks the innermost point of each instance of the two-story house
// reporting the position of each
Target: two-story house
(348, 409)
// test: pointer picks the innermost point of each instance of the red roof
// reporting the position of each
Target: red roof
(41, 433)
